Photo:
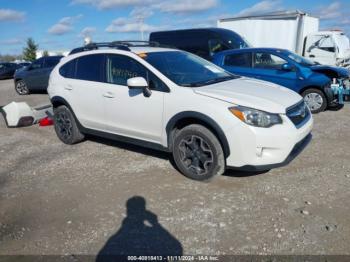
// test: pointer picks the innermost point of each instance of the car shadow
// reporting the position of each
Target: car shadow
(38, 92)
(240, 173)
(335, 108)
(141, 234)
(164, 155)
(134, 148)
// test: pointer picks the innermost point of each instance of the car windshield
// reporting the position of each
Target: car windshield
(186, 69)
(235, 42)
(300, 60)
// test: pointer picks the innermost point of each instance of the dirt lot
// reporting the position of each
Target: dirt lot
(59, 199)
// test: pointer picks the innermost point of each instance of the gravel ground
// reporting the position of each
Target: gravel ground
(100, 196)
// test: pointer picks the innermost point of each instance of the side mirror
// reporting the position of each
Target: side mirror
(139, 83)
(287, 67)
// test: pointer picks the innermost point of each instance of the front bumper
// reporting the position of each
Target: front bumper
(298, 148)
(255, 148)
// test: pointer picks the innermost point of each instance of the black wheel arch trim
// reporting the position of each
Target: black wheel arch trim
(61, 101)
(200, 117)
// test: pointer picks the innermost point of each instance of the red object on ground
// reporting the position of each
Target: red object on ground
(47, 121)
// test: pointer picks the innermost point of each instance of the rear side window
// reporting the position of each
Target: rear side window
(240, 60)
(90, 68)
(52, 62)
(68, 69)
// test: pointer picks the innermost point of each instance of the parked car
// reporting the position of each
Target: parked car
(177, 102)
(204, 42)
(311, 80)
(35, 76)
(7, 70)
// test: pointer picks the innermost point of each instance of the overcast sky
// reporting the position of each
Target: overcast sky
(62, 25)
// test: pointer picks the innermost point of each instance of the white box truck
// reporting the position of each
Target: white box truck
(293, 30)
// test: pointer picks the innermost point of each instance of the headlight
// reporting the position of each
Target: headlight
(255, 117)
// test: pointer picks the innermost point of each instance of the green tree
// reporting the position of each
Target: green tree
(29, 52)
(46, 53)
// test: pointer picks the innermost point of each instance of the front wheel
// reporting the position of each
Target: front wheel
(21, 88)
(315, 100)
(198, 153)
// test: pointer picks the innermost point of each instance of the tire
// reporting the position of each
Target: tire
(66, 126)
(21, 88)
(198, 153)
(315, 99)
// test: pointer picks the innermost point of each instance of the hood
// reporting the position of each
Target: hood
(252, 93)
(331, 71)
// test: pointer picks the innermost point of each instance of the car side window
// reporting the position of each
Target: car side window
(68, 69)
(326, 44)
(239, 60)
(51, 62)
(37, 64)
(216, 45)
(4, 66)
(268, 61)
(90, 68)
(121, 68)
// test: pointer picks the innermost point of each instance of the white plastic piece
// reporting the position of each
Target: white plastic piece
(13, 112)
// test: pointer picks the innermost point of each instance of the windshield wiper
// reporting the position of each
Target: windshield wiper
(211, 81)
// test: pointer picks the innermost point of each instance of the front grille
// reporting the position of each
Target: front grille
(299, 114)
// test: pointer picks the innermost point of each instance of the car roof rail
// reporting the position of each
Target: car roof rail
(136, 43)
(95, 46)
(121, 45)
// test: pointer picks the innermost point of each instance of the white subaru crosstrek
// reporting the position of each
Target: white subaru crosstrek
(171, 100)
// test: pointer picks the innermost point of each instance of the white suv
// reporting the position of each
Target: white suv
(174, 101)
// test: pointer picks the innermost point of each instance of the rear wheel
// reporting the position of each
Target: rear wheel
(315, 100)
(198, 153)
(21, 88)
(66, 127)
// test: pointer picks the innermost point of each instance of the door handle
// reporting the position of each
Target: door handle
(312, 56)
(109, 95)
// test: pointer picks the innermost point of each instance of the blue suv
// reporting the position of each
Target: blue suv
(309, 79)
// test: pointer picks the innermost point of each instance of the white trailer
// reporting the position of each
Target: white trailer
(296, 31)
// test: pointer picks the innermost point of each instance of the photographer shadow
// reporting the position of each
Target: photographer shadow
(140, 235)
